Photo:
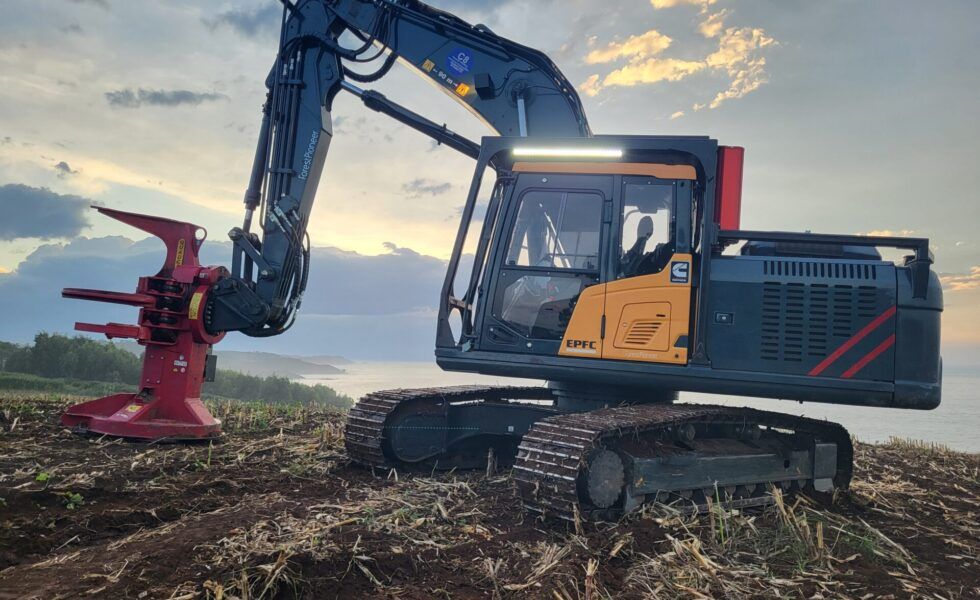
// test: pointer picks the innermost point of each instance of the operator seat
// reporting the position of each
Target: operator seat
(631, 260)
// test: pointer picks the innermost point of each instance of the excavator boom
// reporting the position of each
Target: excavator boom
(513, 89)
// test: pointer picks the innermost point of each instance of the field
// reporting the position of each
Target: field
(275, 511)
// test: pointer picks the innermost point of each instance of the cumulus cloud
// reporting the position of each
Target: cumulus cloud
(30, 212)
(652, 71)
(738, 55)
(128, 98)
(712, 25)
(658, 4)
(64, 170)
(677, 115)
(249, 23)
(958, 282)
(636, 46)
(426, 187)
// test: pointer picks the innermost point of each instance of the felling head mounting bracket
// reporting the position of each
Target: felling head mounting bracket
(177, 346)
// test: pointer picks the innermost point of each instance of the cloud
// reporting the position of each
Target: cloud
(677, 115)
(659, 4)
(591, 86)
(103, 4)
(72, 28)
(713, 24)
(128, 98)
(889, 233)
(394, 248)
(384, 309)
(959, 282)
(30, 212)
(636, 46)
(738, 55)
(6, 140)
(426, 187)
(64, 170)
(250, 23)
(652, 71)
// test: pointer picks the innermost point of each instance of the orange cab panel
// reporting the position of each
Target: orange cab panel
(648, 317)
(583, 336)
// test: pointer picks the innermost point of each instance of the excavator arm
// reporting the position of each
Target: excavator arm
(513, 89)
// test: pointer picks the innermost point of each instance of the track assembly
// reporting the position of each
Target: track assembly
(603, 463)
(689, 454)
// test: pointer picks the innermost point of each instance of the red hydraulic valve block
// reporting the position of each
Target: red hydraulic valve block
(177, 355)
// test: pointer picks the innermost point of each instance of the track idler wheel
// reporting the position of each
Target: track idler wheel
(603, 479)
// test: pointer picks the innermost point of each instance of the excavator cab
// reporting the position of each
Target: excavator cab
(574, 225)
(587, 250)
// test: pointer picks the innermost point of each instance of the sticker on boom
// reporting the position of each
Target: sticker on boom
(460, 61)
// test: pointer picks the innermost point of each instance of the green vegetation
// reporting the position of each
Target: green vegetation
(77, 365)
(62, 357)
(21, 382)
(73, 500)
(6, 349)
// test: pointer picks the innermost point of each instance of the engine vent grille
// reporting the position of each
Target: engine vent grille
(820, 270)
(801, 322)
(642, 333)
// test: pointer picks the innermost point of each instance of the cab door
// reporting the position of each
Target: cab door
(643, 312)
(648, 304)
(549, 251)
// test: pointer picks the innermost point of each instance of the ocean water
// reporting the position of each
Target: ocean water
(956, 423)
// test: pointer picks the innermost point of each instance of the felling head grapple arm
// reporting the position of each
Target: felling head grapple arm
(515, 90)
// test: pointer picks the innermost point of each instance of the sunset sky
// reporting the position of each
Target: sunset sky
(857, 117)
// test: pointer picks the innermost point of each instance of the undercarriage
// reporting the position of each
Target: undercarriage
(575, 461)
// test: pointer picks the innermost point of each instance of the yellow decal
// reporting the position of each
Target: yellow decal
(180, 253)
(462, 89)
(195, 307)
(428, 65)
(133, 407)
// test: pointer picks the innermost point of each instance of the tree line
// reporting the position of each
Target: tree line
(79, 358)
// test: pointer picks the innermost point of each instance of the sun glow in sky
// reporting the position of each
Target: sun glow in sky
(856, 117)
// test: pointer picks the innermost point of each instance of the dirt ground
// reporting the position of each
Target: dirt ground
(276, 511)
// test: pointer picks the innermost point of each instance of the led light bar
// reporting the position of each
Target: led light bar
(569, 152)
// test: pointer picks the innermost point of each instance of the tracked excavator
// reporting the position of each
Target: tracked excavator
(611, 266)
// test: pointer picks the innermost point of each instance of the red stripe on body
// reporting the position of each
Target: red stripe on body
(853, 341)
(870, 356)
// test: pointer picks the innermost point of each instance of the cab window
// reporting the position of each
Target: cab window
(557, 230)
(647, 227)
(552, 255)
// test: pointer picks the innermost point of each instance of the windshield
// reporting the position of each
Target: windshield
(557, 230)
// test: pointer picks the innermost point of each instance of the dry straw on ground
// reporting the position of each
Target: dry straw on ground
(275, 511)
